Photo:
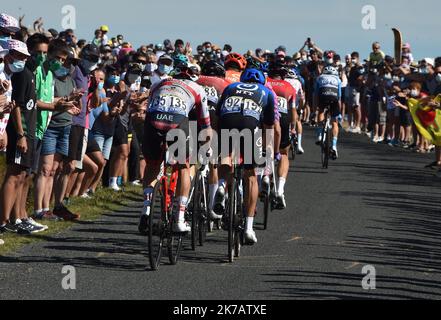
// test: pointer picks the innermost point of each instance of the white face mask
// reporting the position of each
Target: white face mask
(414, 93)
(438, 78)
(150, 67)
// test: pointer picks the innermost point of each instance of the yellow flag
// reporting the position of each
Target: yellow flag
(427, 119)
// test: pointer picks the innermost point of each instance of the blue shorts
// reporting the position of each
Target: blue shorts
(105, 143)
(56, 141)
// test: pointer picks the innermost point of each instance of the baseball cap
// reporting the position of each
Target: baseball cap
(430, 61)
(18, 46)
(9, 23)
(165, 57)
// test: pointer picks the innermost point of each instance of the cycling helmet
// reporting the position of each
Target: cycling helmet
(278, 68)
(235, 58)
(214, 69)
(253, 76)
(180, 59)
(330, 70)
(253, 63)
(292, 74)
(186, 71)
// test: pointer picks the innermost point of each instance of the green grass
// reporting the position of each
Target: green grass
(104, 201)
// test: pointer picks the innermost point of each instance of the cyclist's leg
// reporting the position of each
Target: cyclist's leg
(321, 119)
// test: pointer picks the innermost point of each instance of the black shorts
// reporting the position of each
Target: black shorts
(285, 125)
(251, 151)
(405, 118)
(121, 135)
(76, 143)
(331, 103)
(153, 138)
(15, 157)
(92, 145)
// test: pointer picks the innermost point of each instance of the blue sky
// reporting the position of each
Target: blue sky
(248, 24)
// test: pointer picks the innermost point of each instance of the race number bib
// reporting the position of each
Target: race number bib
(212, 94)
(282, 105)
(169, 104)
(233, 105)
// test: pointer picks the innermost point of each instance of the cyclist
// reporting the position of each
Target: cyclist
(244, 106)
(235, 64)
(170, 102)
(286, 102)
(298, 83)
(214, 83)
(328, 95)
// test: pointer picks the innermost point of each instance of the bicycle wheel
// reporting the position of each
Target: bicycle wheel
(238, 225)
(326, 147)
(266, 209)
(156, 232)
(194, 213)
(203, 213)
(174, 244)
(231, 214)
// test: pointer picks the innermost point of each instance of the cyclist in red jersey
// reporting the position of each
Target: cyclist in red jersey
(286, 102)
(235, 64)
(214, 83)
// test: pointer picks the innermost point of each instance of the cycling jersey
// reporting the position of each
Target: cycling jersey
(300, 94)
(286, 95)
(214, 87)
(233, 76)
(329, 87)
(171, 101)
(249, 100)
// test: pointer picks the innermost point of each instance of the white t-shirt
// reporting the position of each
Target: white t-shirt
(155, 78)
(5, 120)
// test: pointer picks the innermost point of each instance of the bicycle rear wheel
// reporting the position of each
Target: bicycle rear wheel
(326, 148)
(156, 223)
(231, 214)
(266, 209)
(174, 245)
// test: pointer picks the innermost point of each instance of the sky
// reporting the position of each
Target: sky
(249, 24)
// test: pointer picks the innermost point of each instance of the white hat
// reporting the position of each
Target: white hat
(9, 23)
(18, 46)
(430, 61)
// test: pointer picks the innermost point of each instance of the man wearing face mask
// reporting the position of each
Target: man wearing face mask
(165, 67)
(9, 26)
(20, 150)
(151, 65)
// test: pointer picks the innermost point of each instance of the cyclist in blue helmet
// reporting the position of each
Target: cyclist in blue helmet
(244, 106)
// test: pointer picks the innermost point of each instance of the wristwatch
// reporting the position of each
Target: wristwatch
(21, 136)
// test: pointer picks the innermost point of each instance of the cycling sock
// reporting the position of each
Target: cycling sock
(299, 138)
(334, 142)
(113, 181)
(212, 195)
(182, 201)
(250, 222)
(282, 182)
(119, 181)
(319, 132)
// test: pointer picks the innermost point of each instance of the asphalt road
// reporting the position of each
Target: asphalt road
(375, 206)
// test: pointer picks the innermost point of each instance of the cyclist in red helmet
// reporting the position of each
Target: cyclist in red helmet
(235, 64)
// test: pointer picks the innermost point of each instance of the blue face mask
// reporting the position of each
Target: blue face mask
(101, 86)
(2, 67)
(62, 72)
(17, 66)
(4, 41)
(114, 79)
(164, 69)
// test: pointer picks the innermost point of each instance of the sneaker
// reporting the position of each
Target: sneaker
(380, 140)
(334, 153)
(85, 196)
(265, 186)
(181, 227)
(250, 237)
(214, 216)
(375, 140)
(281, 202)
(136, 183)
(300, 150)
(26, 226)
(48, 216)
(115, 188)
(20, 227)
(219, 201)
(36, 224)
(143, 224)
(393, 143)
(356, 130)
(318, 140)
(12, 227)
(65, 214)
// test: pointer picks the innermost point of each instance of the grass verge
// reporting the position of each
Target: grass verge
(104, 201)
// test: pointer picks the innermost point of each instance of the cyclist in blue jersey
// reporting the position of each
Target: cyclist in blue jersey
(244, 106)
(328, 95)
